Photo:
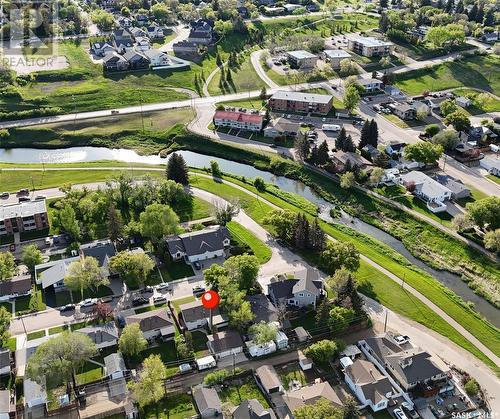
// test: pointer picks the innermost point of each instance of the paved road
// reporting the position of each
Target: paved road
(255, 59)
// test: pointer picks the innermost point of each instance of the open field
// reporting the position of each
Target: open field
(476, 72)
(482, 102)
(250, 103)
(178, 406)
(378, 286)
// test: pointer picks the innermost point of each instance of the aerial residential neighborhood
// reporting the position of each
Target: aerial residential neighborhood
(242, 210)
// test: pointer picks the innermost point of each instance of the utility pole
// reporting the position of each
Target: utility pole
(385, 321)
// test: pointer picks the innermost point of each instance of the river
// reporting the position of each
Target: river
(88, 154)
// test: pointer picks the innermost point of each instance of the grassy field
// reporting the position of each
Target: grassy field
(260, 250)
(376, 285)
(178, 406)
(250, 103)
(237, 393)
(89, 373)
(482, 102)
(424, 51)
(494, 178)
(475, 72)
(244, 78)
(36, 335)
(171, 271)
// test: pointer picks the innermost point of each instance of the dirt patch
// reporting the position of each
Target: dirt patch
(32, 64)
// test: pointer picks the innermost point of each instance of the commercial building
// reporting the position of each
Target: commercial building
(301, 59)
(301, 102)
(239, 120)
(23, 217)
(369, 46)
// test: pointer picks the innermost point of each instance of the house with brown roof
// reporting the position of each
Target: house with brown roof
(371, 387)
(310, 394)
(195, 316)
(225, 343)
(17, 286)
(268, 379)
(154, 323)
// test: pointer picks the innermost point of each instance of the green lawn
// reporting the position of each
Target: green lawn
(308, 321)
(177, 303)
(167, 353)
(11, 344)
(175, 270)
(57, 329)
(250, 103)
(237, 393)
(175, 406)
(291, 373)
(494, 178)
(244, 78)
(482, 102)
(89, 373)
(424, 51)
(199, 344)
(36, 335)
(477, 72)
(260, 249)
(31, 303)
(149, 308)
(392, 261)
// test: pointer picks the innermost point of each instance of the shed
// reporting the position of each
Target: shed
(302, 334)
(207, 401)
(281, 340)
(115, 366)
(345, 361)
(351, 351)
(206, 362)
(304, 362)
(268, 379)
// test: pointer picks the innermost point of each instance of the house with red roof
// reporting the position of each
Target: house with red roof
(238, 119)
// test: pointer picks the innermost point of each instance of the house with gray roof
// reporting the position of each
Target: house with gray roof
(407, 364)
(262, 308)
(102, 250)
(268, 379)
(310, 394)
(52, 273)
(208, 243)
(195, 315)
(304, 291)
(304, 102)
(252, 409)
(17, 286)
(35, 399)
(103, 335)
(6, 407)
(154, 323)
(114, 366)
(456, 186)
(281, 127)
(113, 61)
(136, 59)
(225, 343)
(207, 402)
(371, 387)
(5, 358)
(427, 189)
(335, 56)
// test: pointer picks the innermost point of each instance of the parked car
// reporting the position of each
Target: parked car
(48, 241)
(107, 299)
(89, 302)
(399, 414)
(409, 410)
(198, 289)
(40, 197)
(22, 192)
(139, 301)
(163, 286)
(4, 195)
(147, 290)
(197, 265)
(160, 299)
(67, 307)
(121, 321)
(24, 199)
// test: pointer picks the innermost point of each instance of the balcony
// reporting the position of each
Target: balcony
(436, 207)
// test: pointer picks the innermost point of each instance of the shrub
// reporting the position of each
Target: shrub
(471, 387)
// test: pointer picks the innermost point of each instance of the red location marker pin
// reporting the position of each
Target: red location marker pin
(210, 299)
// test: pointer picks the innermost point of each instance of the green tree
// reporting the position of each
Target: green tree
(158, 221)
(492, 240)
(133, 268)
(149, 388)
(301, 145)
(57, 360)
(340, 140)
(447, 138)
(5, 317)
(351, 98)
(132, 341)
(459, 120)
(321, 409)
(83, 274)
(471, 387)
(214, 168)
(177, 169)
(216, 377)
(213, 275)
(351, 410)
(259, 184)
(365, 134)
(323, 312)
(376, 176)
(431, 130)
(322, 156)
(263, 332)
(243, 269)
(160, 11)
(7, 266)
(423, 152)
(485, 212)
(104, 20)
(445, 35)
(322, 351)
(182, 348)
(448, 106)
(347, 180)
(68, 222)
(115, 224)
(31, 256)
(338, 255)
(341, 318)
(283, 223)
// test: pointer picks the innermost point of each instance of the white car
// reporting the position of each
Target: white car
(89, 302)
(399, 414)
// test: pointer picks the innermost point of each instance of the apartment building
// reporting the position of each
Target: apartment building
(369, 46)
(22, 217)
(240, 120)
(301, 102)
(301, 59)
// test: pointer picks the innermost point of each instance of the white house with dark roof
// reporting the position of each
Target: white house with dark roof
(17, 286)
(154, 323)
(304, 291)
(456, 186)
(371, 387)
(427, 189)
(225, 343)
(103, 335)
(196, 316)
(208, 243)
(371, 85)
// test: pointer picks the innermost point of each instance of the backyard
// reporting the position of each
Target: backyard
(174, 406)
(241, 389)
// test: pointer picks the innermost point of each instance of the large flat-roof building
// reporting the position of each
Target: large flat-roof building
(240, 120)
(22, 217)
(335, 56)
(301, 59)
(369, 46)
(301, 102)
